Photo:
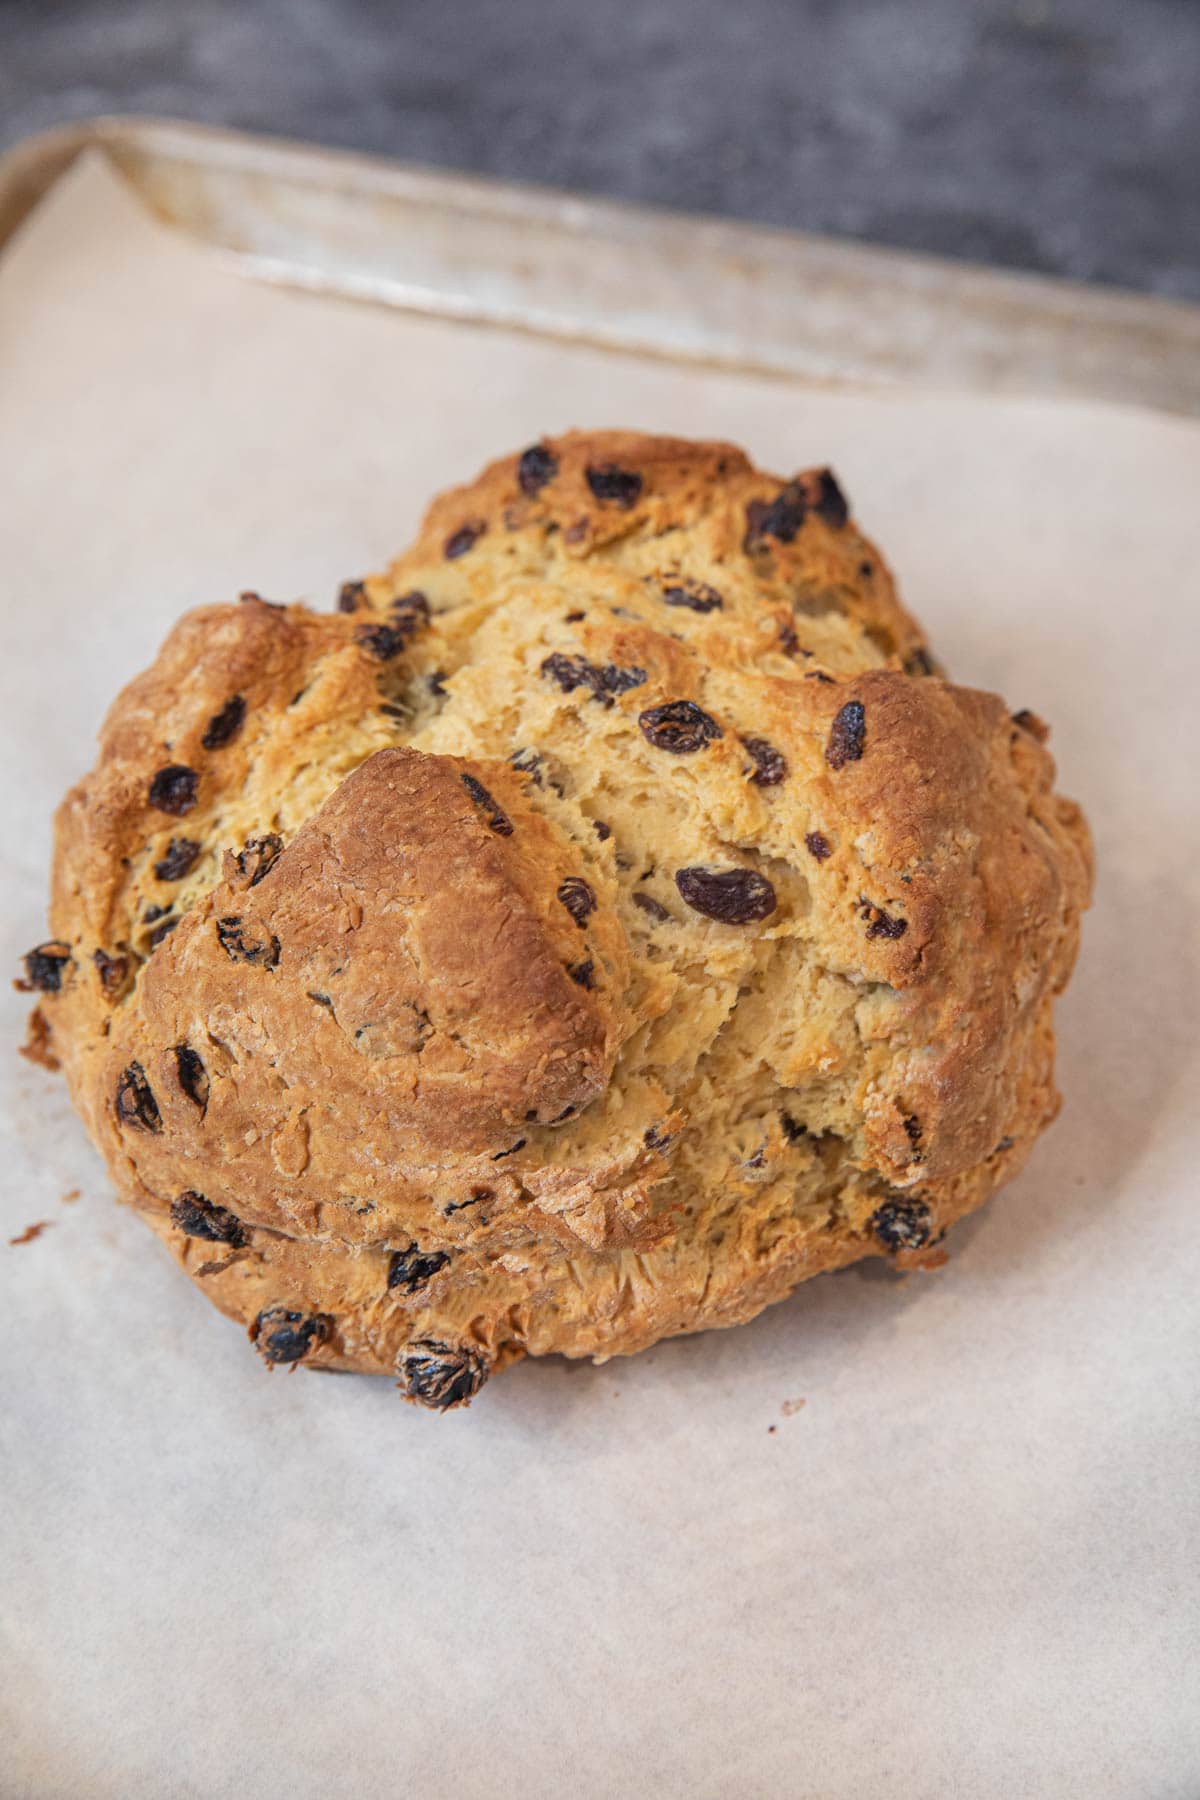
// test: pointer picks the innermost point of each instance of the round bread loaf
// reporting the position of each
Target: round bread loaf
(601, 922)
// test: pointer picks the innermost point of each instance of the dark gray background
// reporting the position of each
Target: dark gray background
(1060, 135)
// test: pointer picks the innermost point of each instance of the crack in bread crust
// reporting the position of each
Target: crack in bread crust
(608, 915)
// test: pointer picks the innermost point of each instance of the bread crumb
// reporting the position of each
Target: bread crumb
(31, 1231)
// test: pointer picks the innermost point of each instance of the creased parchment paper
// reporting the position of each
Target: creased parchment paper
(968, 1565)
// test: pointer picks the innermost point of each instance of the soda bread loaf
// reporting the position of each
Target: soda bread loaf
(601, 922)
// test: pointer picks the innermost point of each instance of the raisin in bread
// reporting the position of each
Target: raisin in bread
(601, 922)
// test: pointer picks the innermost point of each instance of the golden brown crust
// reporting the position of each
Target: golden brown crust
(603, 922)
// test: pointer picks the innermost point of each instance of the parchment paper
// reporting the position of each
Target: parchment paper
(968, 1565)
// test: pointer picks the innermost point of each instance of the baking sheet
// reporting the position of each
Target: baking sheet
(966, 1566)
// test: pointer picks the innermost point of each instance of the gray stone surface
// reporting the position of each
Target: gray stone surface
(1059, 135)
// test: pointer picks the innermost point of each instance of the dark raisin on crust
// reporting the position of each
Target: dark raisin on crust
(885, 927)
(818, 675)
(436, 683)
(258, 856)
(793, 1130)
(410, 614)
(700, 598)
(173, 789)
(609, 482)
(902, 1224)
(881, 924)
(651, 907)
(440, 1375)
(1029, 721)
(351, 596)
(789, 643)
(410, 1269)
(177, 860)
(919, 662)
(770, 764)
(847, 735)
(241, 945)
(136, 1105)
(615, 680)
(571, 672)
(537, 466)
(112, 971)
(655, 1138)
(602, 830)
(161, 931)
(496, 818)
(282, 1336)
(193, 1076)
(831, 503)
(579, 898)
(679, 726)
(464, 539)
(731, 896)
(780, 518)
(154, 912)
(44, 968)
(582, 973)
(381, 641)
(224, 726)
(913, 1132)
(197, 1217)
(818, 845)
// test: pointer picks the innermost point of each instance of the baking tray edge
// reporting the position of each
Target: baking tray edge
(604, 273)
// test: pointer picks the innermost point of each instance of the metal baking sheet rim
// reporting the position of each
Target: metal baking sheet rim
(628, 278)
